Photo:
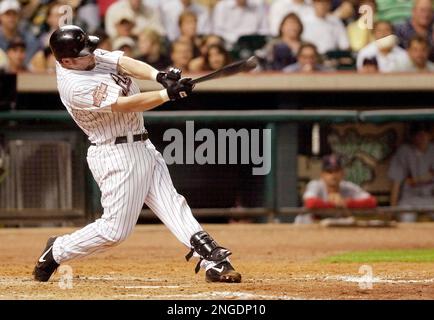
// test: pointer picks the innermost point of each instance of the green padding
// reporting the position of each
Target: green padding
(35, 115)
(397, 115)
(265, 116)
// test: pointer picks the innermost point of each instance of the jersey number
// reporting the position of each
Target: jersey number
(123, 82)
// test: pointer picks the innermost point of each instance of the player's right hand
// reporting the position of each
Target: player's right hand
(180, 89)
(170, 77)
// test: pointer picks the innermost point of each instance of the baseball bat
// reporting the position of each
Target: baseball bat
(229, 70)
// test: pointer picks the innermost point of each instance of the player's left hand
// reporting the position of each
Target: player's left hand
(180, 89)
(170, 77)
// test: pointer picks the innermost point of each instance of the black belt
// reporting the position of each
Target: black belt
(124, 139)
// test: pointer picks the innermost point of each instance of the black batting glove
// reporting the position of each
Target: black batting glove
(170, 77)
(180, 89)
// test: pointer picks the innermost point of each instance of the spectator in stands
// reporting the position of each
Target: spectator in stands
(418, 53)
(412, 170)
(369, 65)
(279, 9)
(188, 31)
(282, 51)
(359, 32)
(3, 60)
(124, 25)
(9, 29)
(43, 61)
(217, 57)
(390, 56)
(345, 10)
(325, 30)
(86, 13)
(125, 44)
(16, 54)
(420, 23)
(235, 18)
(103, 6)
(394, 11)
(211, 3)
(197, 64)
(308, 60)
(332, 191)
(171, 10)
(51, 23)
(143, 16)
(181, 54)
(104, 40)
(150, 50)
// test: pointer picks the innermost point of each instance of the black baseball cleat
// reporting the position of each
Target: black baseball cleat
(46, 265)
(223, 272)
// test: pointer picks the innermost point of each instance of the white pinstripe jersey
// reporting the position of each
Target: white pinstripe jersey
(88, 96)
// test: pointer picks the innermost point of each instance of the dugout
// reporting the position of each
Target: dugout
(360, 115)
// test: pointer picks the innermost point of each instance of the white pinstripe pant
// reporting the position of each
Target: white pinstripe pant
(128, 174)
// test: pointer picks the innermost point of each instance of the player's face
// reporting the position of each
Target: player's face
(421, 140)
(80, 63)
(332, 178)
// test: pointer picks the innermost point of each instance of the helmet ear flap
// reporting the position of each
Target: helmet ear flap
(92, 43)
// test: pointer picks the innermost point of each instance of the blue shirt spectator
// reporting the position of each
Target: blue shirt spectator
(308, 60)
(9, 29)
(282, 51)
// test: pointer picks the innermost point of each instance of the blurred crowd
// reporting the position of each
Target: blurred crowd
(202, 35)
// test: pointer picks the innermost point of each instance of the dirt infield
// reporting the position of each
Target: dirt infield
(277, 261)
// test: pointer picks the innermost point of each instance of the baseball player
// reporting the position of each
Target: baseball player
(332, 191)
(97, 89)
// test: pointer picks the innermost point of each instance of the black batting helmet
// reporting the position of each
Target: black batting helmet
(72, 42)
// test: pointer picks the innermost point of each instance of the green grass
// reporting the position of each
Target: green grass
(411, 255)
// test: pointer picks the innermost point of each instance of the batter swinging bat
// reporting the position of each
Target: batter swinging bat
(229, 70)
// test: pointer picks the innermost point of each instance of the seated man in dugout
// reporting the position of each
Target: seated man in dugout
(332, 191)
(412, 171)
